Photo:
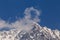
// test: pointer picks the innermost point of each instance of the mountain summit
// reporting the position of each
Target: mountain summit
(36, 33)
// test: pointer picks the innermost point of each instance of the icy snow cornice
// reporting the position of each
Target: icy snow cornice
(36, 33)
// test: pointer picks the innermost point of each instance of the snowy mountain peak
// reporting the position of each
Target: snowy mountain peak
(36, 33)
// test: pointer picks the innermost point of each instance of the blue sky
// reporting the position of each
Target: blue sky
(50, 16)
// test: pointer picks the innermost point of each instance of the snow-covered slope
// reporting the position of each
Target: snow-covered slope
(36, 33)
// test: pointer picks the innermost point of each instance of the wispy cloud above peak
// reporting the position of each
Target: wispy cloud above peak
(24, 23)
(29, 16)
(3, 23)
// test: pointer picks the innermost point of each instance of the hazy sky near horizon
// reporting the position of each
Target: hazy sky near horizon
(50, 11)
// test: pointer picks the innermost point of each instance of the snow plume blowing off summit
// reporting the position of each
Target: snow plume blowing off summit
(26, 22)
(28, 28)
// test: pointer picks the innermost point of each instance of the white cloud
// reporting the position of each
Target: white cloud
(24, 23)
(3, 23)
(28, 14)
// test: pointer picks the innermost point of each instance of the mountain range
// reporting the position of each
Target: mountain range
(36, 33)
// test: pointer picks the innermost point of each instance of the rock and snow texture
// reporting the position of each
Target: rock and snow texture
(28, 28)
(36, 33)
